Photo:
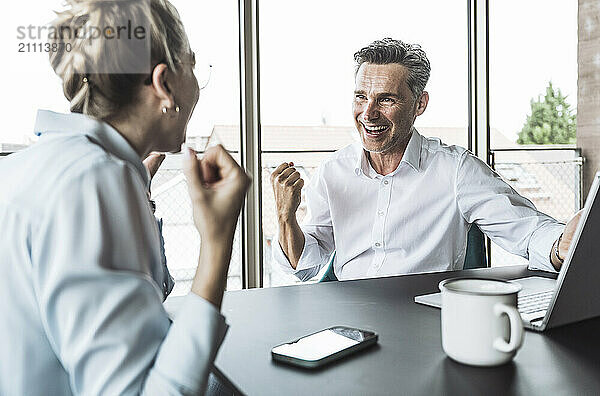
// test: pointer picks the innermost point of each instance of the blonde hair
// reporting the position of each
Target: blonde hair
(99, 93)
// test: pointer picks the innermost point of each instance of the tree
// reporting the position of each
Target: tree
(551, 120)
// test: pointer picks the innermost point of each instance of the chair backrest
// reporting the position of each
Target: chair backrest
(475, 256)
(329, 275)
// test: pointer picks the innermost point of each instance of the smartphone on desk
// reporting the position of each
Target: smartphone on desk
(317, 349)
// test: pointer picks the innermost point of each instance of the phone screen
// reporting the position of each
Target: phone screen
(322, 344)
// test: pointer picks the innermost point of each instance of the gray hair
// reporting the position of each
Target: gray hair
(411, 56)
(103, 95)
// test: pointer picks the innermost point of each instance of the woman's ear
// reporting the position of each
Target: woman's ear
(160, 86)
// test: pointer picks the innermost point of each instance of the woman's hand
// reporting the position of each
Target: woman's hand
(217, 186)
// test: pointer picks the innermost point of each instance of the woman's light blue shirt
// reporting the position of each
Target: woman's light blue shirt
(82, 274)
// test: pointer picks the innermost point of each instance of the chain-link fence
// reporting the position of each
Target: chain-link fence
(182, 242)
(550, 178)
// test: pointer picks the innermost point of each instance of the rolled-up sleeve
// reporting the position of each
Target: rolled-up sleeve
(509, 219)
(317, 228)
(96, 261)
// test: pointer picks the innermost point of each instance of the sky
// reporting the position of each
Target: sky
(306, 63)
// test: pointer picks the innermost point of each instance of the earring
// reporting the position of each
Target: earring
(164, 109)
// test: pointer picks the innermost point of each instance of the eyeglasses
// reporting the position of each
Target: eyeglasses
(203, 73)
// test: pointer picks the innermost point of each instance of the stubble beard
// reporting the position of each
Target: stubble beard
(397, 143)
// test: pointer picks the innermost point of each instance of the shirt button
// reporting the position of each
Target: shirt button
(386, 182)
(380, 213)
(377, 244)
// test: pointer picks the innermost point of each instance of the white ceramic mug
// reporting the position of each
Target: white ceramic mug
(480, 322)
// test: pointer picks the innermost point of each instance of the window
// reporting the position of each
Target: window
(307, 83)
(34, 85)
(529, 50)
(215, 120)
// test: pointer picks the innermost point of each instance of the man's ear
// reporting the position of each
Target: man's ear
(421, 104)
(160, 86)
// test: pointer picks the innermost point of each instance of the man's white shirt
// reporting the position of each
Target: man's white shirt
(415, 219)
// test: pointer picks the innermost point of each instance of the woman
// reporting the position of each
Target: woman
(83, 278)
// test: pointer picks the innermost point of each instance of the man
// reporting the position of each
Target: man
(399, 202)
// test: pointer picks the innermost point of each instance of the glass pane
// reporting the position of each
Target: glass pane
(182, 242)
(529, 50)
(551, 179)
(307, 81)
(215, 120)
(32, 83)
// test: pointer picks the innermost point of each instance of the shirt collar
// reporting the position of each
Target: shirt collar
(412, 155)
(98, 131)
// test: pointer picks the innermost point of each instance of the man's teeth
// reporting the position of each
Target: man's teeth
(376, 129)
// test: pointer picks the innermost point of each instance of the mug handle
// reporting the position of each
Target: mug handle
(516, 328)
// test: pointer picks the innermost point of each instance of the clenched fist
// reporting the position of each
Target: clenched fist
(287, 186)
(217, 187)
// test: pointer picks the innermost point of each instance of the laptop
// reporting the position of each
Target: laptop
(574, 295)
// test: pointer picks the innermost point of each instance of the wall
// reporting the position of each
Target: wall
(588, 87)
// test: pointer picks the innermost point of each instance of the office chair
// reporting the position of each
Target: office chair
(329, 275)
(474, 258)
(476, 255)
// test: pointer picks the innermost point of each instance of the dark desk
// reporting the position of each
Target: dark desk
(409, 359)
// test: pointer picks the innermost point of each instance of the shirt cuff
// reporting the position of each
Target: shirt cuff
(309, 258)
(189, 350)
(541, 244)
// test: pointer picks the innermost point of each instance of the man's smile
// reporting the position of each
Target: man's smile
(374, 131)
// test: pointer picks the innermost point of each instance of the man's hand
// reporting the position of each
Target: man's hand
(566, 239)
(152, 163)
(287, 186)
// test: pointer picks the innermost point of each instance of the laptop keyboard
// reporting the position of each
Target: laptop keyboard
(534, 302)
